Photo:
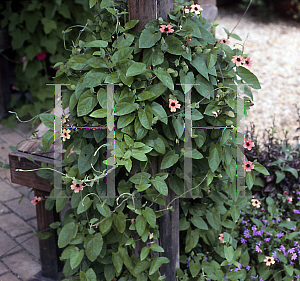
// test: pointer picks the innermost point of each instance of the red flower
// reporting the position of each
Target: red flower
(248, 144)
(248, 61)
(76, 186)
(166, 28)
(248, 166)
(173, 104)
(238, 60)
(41, 56)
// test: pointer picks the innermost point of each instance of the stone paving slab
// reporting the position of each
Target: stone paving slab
(7, 243)
(8, 192)
(24, 209)
(3, 210)
(23, 265)
(5, 173)
(13, 225)
(9, 277)
(33, 223)
(3, 269)
(31, 245)
(12, 139)
(25, 190)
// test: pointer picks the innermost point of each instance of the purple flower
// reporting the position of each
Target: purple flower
(294, 256)
(243, 240)
(292, 263)
(278, 220)
(293, 228)
(188, 263)
(295, 243)
(267, 239)
(268, 233)
(245, 222)
(254, 227)
(257, 249)
(296, 211)
(297, 276)
(298, 198)
(298, 193)
(280, 234)
(291, 250)
(266, 222)
(248, 267)
(282, 248)
(225, 278)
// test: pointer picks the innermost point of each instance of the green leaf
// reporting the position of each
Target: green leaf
(103, 209)
(178, 125)
(164, 77)
(123, 108)
(87, 101)
(106, 225)
(229, 253)
(66, 235)
(90, 275)
(211, 61)
(235, 213)
(289, 169)
(99, 113)
(199, 63)
(48, 25)
(125, 120)
(157, 248)
(120, 221)
(199, 222)
(141, 266)
(97, 43)
(159, 112)
(144, 253)
(213, 220)
(160, 185)
(194, 268)
(150, 216)
(174, 45)
(48, 120)
(86, 204)
(87, 158)
(225, 136)
(250, 178)
(140, 224)
(76, 258)
(117, 261)
(248, 77)
(214, 159)
(169, 160)
(289, 269)
(61, 200)
(145, 117)
(92, 3)
(260, 168)
(47, 139)
(94, 247)
(149, 37)
(78, 62)
(183, 224)
(131, 24)
(279, 176)
(140, 178)
(245, 258)
(156, 263)
(136, 69)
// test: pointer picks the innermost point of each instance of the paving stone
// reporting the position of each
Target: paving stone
(25, 209)
(25, 128)
(24, 190)
(5, 174)
(13, 225)
(9, 277)
(23, 265)
(12, 139)
(33, 223)
(8, 192)
(5, 130)
(3, 210)
(31, 245)
(6, 244)
(3, 269)
(4, 151)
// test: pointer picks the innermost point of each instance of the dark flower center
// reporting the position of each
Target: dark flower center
(196, 9)
(166, 29)
(238, 59)
(77, 185)
(247, 143)
(247, 165)
(173, 104)
(247, 62)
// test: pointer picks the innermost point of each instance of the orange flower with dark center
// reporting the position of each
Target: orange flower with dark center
(173, 104)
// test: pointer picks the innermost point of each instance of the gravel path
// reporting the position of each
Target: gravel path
(274, 48)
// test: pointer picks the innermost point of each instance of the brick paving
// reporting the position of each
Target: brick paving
(17, 220)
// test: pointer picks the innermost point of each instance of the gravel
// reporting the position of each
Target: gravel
(274, 48)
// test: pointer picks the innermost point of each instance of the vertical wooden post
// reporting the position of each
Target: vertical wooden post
(154, 9)
(169, 233)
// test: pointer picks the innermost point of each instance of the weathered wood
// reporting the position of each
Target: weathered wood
(18, 160)
(205, 2)
(51, 264)
(146, 11)
(169, 233)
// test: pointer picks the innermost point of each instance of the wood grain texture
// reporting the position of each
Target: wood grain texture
(49, 251)
(18, 160)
